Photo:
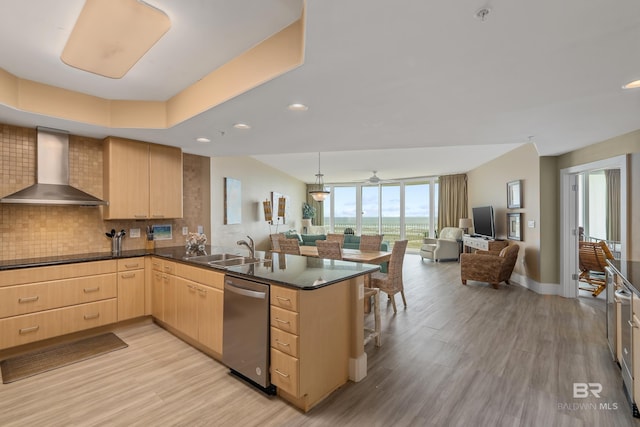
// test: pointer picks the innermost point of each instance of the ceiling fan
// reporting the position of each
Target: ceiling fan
(375, 179)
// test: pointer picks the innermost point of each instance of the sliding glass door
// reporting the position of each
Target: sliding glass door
(403, 209)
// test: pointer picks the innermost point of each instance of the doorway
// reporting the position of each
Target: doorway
(593, 207)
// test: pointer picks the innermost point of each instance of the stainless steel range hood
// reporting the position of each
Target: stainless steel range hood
(52, 183)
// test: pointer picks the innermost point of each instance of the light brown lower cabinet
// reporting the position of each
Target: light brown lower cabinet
(199, 313)
(44, 302)
(28, 328)
(164, 291)
(200, 300)
(131, 288)
(310, 340)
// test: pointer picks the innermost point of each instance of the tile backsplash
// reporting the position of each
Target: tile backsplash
(28, 231)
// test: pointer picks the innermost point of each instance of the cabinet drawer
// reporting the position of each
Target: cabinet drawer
(159, 264)
(284, 319)
(284, 298)
(24, 276)
(284, 372)
(23, 299)
(38, 326)
(284, 341)
(130, 264)
(203, 275)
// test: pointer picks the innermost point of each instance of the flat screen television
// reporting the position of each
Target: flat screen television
(483, 222)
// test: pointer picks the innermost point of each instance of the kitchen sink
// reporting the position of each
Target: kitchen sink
(205, 259)
(234, 261)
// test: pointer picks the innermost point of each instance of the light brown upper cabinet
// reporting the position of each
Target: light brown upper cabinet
(142, 180)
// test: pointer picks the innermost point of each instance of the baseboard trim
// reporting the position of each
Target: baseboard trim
(537, 287)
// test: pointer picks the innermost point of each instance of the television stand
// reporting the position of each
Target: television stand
(483, 243)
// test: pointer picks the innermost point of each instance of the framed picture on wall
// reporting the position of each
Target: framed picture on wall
(281, 207)
(514, 194)
(232, 201)
(514, 226)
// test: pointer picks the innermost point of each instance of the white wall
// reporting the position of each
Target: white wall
(258, 181)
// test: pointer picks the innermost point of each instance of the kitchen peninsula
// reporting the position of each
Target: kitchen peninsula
(316, 350)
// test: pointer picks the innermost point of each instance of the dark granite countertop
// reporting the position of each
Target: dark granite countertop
(629, 271)
(289, 270)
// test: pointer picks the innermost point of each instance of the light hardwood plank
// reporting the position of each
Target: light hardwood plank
(458, 355)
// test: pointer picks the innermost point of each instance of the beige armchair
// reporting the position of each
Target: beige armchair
(447, 246)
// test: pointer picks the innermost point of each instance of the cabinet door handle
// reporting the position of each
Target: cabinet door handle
(157, 216)
(284, 344)
(89, 290)
(91, 316)
(283, 299)
(202, 291)
(282, 374)
(28, 299)
(286, 322)
(23, 331)
(128, 275)
(167, 268)
(139, 216)
(131, 265)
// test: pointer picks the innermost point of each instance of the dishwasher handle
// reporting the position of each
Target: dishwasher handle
(231, 287)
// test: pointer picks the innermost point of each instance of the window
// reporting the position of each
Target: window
(406, 209)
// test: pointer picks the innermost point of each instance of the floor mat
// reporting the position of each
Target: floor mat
(27, 365)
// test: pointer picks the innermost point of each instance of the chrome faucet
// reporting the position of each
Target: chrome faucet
(251, 246)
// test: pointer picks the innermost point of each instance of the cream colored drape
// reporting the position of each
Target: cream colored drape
(612, 177)
(452, 200)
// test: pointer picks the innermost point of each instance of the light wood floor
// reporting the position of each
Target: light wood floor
(457, 356)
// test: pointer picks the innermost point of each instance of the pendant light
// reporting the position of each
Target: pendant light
(319, 193)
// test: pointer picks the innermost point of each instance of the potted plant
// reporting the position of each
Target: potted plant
(308, 211)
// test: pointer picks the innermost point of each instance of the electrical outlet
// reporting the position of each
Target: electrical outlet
(134, 233)
(185, 231)
(200, 229)
(531, 224)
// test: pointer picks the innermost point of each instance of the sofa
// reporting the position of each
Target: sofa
(350, 241)
(447, 246)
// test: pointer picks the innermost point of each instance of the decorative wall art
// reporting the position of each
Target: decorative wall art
(232, 201)
(514, 194)
(280, 205)
(514, 226)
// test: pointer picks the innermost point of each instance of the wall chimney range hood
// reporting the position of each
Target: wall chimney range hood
(52, 181)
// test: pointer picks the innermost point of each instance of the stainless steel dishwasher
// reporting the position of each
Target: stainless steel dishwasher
(245, 341)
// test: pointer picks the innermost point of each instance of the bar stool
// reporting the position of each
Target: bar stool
(373, 333)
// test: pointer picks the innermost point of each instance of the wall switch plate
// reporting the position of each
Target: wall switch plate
(200, 229)
(185, 231)
(531, 224)
(134, 233)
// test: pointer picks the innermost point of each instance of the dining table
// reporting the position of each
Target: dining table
(355, 255)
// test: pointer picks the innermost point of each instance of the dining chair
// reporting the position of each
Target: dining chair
(289, 246)
(376, 332)
(391, 282)
(370, 242)
(328, 249)
(274, 240)
(334, 237)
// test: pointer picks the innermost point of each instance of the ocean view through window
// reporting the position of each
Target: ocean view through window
(403, 209)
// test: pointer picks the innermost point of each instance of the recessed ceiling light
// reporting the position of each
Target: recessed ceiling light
(297, 107)
(241, 126)
(632, 85)
(203, 139)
